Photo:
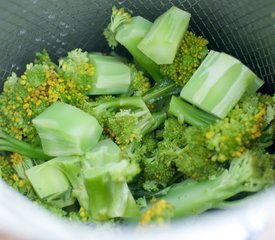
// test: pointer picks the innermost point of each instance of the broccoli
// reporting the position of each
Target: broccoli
(96, 73)
(251, 172)
(12, 171)
(98, 180)
(124, 118)
(219, 83)
(162, 40)
(129, 31)
(191, 52)
(11, 144)
(25, 97)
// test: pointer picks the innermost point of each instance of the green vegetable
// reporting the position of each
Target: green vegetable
(252, 172)
(163, 39)
(190, 114)
(123, 118)
(191, 52)
(218, 84)
(65, 130)
(129, 32)
(100, 74)
(11, 144)
(102, 138)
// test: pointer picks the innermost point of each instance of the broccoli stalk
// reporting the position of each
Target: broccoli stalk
(219, 83)
(10, 144)
(252, 172)
(98, 180)
(163, 39)
(96, 73)
(129, 32)
(190, 114)
(65, 130)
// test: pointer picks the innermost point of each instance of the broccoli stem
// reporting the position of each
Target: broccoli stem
(250, 173)
(108, 198)
(219, 83)
(163, 39)
(10, 144)
(112, 76)
(129, 35)
(161, 91)
(190, 114)
(66, 130)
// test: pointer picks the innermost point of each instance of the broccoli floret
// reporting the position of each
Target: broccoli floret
(140, 84)
(26, 97)
(243, 127)
(125, 119)
(251, 172)
(119, 16)
(76, 67)
(160, 212)
(190, 54)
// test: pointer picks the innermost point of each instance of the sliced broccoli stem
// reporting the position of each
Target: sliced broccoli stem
(66, 130)
(219, 83)
(10, 144)
(185, 112)
(112, 76)
(163, 39)
(129, 35)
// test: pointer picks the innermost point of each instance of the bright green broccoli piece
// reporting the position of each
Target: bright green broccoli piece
(119, 17)
(163, 39)
(140, 84)
(66, 130)
(98, 180)
(219, 83)
(251, 172)
(11, 167)
(11, 144)
(190, 54)
(25, 97)
(125, 119)
(129, 31)
(242, 128)
(188, 113)
(96, 73)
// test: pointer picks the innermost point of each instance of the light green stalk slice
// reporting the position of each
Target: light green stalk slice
(65, 130)
(218, 84)
(112, 76)
(163, 39)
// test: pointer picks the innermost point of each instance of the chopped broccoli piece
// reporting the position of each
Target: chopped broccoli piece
(96, 73)
(124, 118)
(11, 144)
(190, 114)
(65, 130)
(118, 18)
(129, 33)
(191, 52)
(252, 172)
(163, 39)
(218, 84)
(26, 97)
